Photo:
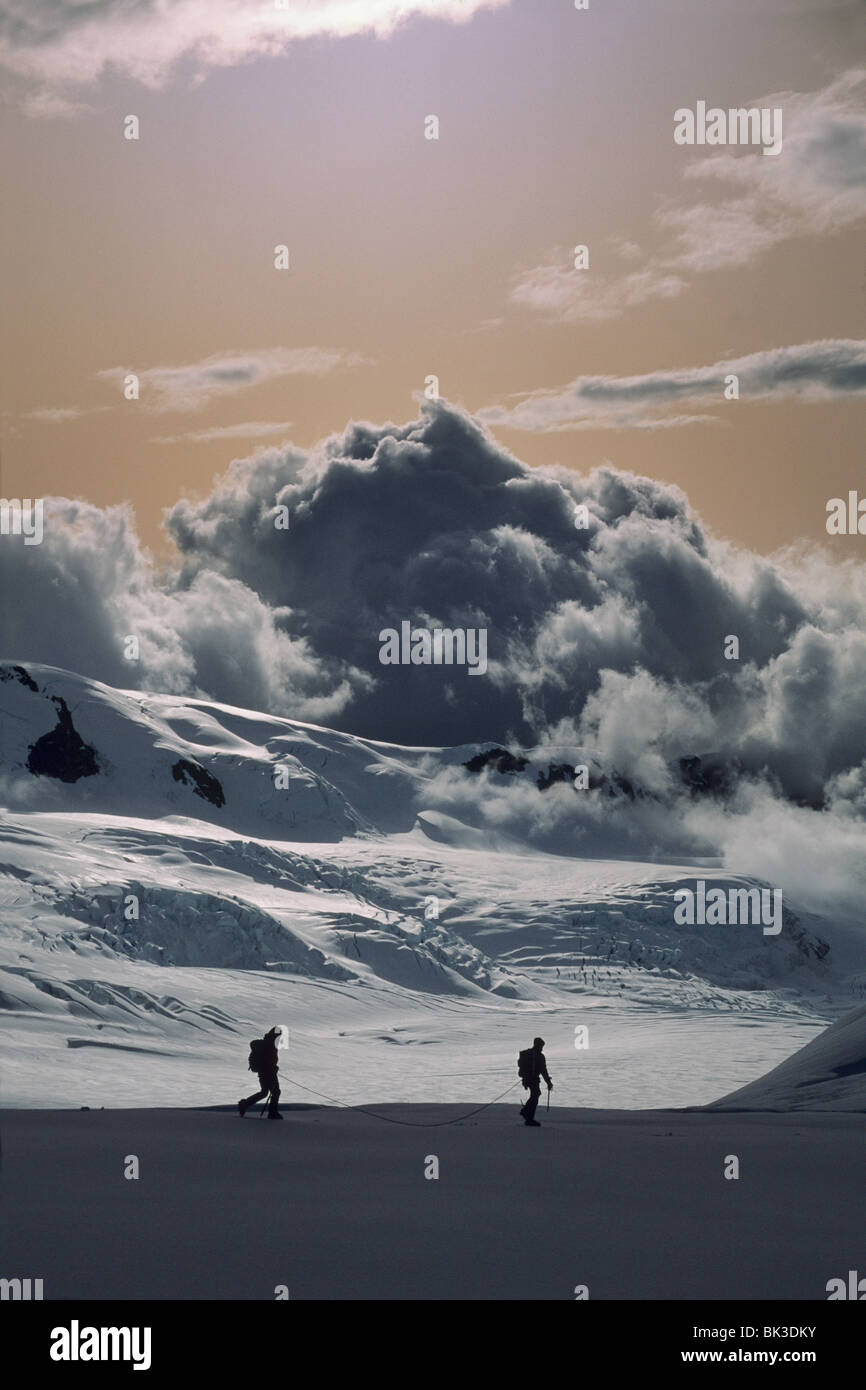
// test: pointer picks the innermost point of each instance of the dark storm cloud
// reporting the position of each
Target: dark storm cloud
(609, 637)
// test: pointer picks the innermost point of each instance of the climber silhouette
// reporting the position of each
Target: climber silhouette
(263, 1061)
(532, 1066)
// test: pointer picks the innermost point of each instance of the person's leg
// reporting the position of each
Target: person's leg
(275, 1096)
(244, 1105)
(530, 1106)
(265, 1083)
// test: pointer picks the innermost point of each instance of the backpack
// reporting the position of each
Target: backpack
(259, 1059)
(526, 1068)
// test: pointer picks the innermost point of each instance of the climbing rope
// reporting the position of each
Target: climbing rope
(389, 1119)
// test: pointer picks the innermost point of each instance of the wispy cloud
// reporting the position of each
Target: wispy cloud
(815, 187)
(830, 370)
(190, 385)
(486, 326)
(248, 429)
(57, 48)
(573, 296)
(58, 415)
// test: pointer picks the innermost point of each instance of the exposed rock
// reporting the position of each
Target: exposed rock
(556, 772)
(497, 758)
(62, 753)
(203, 783)
(18, 673)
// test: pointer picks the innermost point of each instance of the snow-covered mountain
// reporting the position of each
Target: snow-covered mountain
(175, 875)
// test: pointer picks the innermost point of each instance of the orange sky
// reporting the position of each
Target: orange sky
(407, 254)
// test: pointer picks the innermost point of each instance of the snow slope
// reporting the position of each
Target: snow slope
(829, 1073)
(177, 875)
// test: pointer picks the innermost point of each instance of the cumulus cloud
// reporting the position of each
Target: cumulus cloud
(592, 633)
(605, 641)
(191, 385)
(815, 187)
(818, 858)
(92, 585)
(58, 48)
(832, 369)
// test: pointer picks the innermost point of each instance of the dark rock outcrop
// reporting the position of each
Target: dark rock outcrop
(556, 772)
(203, 783)
(499, 759)
(62, 753)
(18, 673)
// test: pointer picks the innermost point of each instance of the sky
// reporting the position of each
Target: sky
(304, 126)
